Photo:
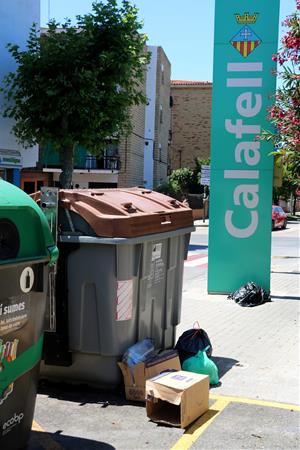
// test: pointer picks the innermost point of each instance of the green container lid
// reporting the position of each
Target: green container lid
(24, 230)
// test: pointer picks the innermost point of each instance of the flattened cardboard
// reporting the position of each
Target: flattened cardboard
(135, 378)
(178, 398)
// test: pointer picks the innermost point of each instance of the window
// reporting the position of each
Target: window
(162, 74)
(99, 185)
(31, 185)
(111, 157)
(161, 114)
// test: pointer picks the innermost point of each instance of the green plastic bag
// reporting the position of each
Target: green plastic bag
(200, 363)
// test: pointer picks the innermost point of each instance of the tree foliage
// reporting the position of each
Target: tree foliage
(285, 114)
(75, 85)
(290, 180)
(184, 181)
(182, 178)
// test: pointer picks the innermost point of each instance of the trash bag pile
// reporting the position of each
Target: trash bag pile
(250, 295)
(191, 341)
(194, 350)
(139, 352)
(200, 363)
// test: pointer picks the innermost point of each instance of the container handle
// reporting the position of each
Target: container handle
(165, 220)
(174, 203)
(129, 207)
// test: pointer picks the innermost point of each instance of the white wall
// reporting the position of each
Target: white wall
(83, 179)
(16, 18)
(150, 117)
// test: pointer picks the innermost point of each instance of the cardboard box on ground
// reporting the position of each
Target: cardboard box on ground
(177, 398)
(136, 376)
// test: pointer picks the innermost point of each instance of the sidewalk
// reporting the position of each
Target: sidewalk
(201, 223)
(256, 349)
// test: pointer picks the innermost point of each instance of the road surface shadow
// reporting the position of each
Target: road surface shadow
(286, 273)
(57, 441)
(193, 247)
(84, 394)
(223, 365)
(285, 297)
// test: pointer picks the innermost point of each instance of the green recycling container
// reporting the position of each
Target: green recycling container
(26, 251)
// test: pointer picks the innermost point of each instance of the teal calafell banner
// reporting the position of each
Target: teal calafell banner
(246, 35)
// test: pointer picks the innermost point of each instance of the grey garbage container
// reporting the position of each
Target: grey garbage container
(119, 280)
(26, 248)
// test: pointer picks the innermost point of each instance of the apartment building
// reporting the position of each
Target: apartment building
(16, 18)
(190, 122)
(139, 159)
(157, 118)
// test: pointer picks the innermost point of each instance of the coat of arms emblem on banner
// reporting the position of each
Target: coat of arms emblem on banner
(246, 40)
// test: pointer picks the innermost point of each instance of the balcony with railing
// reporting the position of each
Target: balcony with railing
(83, 160)
(104, 162)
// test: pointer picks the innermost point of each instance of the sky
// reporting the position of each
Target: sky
(184, 28)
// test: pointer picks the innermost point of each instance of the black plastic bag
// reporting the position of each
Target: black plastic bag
(250, 295)
(191, 341)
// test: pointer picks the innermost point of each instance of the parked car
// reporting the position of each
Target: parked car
(279, 217)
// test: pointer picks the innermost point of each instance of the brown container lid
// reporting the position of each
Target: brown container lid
(126, 212)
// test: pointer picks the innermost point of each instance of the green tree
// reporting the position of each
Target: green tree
(290, 180)
(285, 114)
(183, 181)
(76, 85)
(178, 183)
(182, 178)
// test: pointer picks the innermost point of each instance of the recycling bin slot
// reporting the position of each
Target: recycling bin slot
(9, 239)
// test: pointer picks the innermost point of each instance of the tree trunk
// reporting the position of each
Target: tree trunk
(294, 204)
(291, 203)
(67, 166)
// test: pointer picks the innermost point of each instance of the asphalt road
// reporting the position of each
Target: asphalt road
(286, 242)
(285, 247)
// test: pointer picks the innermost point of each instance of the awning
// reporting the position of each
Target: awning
(10, 159)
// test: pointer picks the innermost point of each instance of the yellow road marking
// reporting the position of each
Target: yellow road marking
(257, 402)
(44, 438)
(193, 433)
(37, 427)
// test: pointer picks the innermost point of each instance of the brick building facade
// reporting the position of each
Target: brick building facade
(190, 122)
(144, 154)
(131, 150)
(162, 118)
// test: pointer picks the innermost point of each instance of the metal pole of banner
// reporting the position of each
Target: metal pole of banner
(204, 203)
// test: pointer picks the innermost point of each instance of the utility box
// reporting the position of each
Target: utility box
(119, 279)
(26, 249)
